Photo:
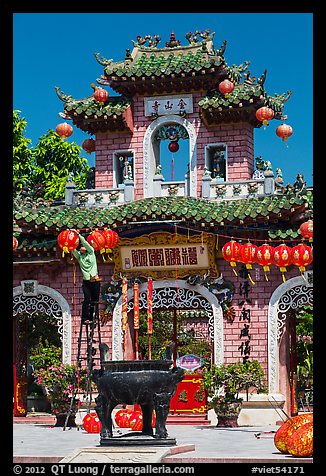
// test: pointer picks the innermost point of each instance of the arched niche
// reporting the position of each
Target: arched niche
(33, 298)
(168, 294)
(290, 295)
(151, 149)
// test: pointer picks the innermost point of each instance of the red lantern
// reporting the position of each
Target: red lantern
(284, 132)
(136, 421)
(97, 240)
(282, 258)
(226, 87)
(307, 229)
(111, 239)
(64, 130)
(92, 423)
(15, 243)
(173, 146)
(101, 95)
(285, 431)
(248, 253)
(264, 257)
(231, 253)
(122, 417)
(89, 145)
(264, 114)
(301, 256)
(68, 240)
(300, 443)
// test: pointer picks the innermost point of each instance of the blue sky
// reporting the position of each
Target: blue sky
(57, 49)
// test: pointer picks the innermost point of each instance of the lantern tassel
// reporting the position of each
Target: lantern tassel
(233, 267)
(251, 280)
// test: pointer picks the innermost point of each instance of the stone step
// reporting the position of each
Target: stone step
(184, 419)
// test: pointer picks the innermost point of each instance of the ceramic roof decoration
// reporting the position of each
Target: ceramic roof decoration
(149, 69)
(270, 214)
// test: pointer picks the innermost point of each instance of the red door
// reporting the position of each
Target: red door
(20, 365)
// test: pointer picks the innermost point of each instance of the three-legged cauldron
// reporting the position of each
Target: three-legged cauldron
(148, 383)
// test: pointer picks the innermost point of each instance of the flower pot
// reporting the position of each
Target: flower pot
(227, 414)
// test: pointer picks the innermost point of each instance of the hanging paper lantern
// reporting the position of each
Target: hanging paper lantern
(282, 258)
(307, 229)
(64, 130)
(231, 253)
(111, 239)
(248, 253)
(264, 257)
(226, 87)
(68, 240)
(284, 132)
(97, 240)
(89, 145)
(301, 256)
(101, 95)
(15, 243)
(264, 114)
(173, 146)
(92, 423)
(300, 443)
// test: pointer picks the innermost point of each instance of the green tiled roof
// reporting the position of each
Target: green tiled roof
(246, 95)
(158, 63)
(91, 116)
(203, 213)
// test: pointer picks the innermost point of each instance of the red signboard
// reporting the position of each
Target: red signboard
(189, 397)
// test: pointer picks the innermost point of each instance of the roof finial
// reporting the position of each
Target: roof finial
(173, 42)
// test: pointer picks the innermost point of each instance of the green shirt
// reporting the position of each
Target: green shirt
(87, 261)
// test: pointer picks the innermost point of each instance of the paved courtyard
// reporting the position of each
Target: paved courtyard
(194, 444)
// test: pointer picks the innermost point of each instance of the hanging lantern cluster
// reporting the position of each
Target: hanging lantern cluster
(266, 255)
(64, 130)
(103, 241)
(265, 114)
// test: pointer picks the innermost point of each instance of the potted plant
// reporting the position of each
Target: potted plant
(58, 380)
(223, 384)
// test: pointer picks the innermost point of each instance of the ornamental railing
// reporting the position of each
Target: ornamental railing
(211, 189)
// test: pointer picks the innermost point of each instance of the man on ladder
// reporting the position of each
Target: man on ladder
(85, 255)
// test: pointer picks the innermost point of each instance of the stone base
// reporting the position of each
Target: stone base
(135, 438)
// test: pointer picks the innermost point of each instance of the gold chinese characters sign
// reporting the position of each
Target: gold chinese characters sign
(165, 255)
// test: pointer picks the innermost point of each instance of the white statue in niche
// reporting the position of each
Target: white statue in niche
(126, 165)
